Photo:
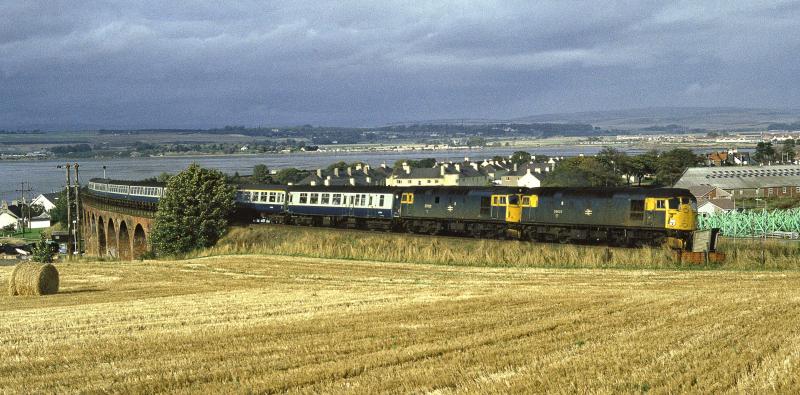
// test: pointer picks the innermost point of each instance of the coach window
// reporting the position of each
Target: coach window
(326, 198)
(784, 189)
(272, 197)
(370, 199)
(436, 200)
(303, 198)
(381, 200)
(314, 198)
(263, 197)
(337, 199)
(770, 191)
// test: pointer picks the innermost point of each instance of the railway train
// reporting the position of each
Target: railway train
(616, 216)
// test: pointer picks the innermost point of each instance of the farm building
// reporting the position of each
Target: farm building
(745, 181)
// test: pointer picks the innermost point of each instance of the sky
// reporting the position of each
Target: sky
(202, 64)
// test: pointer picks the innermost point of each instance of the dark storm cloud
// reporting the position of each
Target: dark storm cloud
(202, 64)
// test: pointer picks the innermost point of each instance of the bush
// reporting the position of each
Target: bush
(193, 213)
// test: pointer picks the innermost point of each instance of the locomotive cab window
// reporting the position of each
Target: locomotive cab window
(674, 203)
(661, 204)
(436, 200)
(526, 200)
(513, 199)
(502, 201)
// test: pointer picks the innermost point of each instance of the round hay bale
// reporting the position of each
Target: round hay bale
(33, 279)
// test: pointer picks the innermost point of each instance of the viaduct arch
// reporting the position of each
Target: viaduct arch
(116, 228)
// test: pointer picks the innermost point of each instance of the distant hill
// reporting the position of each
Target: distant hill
(675, 117)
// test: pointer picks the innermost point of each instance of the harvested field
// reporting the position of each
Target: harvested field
(271, 324)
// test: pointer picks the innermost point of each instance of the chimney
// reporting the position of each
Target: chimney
(358, 166)
(458, 167)
(474, 166)
(442, 169)
(466, 159)
(328, 181)
(369, 180)
(328, 178)
(515, 166)
(352, 181)
(319, 173)
(406, 168)
(336, 172)
(349, 171)
(366, 169)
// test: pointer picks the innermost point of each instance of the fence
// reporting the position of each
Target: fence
(755, 223)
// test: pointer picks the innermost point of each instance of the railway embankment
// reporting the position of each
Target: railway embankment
(459, 251)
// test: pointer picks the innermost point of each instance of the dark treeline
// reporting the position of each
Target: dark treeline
(784, 126)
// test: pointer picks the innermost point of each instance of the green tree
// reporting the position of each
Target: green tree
(193, 213)
(520, 157)
(41, 251)
(581, 172)
(788, 150)
(261, 174)
(416, 164)
(285, 176)
(476, 142)
(58, 214)
(765, 152)
(671, 165)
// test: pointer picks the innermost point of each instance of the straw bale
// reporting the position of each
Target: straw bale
(33, 279)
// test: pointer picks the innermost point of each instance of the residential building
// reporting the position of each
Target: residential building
(46, 200)
(360, 175)
(442, 174)
(9, 216)
(705, 192)
(714, 206)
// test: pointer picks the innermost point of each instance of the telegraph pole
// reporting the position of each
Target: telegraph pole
(77, 211)
(69, 213)
(22, 191)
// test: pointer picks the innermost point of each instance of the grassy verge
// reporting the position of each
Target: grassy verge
(392, 247)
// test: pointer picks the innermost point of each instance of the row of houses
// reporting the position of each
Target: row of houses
(466, 173)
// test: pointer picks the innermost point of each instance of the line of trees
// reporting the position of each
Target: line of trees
(612, 167)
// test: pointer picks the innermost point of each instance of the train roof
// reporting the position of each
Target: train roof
(612, 191)
(143, 183)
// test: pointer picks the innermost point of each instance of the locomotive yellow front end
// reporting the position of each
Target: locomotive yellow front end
(681, 220)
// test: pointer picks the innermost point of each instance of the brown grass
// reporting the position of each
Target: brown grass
(273, 324)
(33, 279)
(392, 247)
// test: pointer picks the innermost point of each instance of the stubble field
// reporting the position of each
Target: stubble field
(273, 324)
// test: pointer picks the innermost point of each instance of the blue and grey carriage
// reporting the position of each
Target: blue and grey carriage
(139, 191)
(345, 206)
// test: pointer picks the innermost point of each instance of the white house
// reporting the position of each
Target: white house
(8, 217)
(46, 200)
(709, 207)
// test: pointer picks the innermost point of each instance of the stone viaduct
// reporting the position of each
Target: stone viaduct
(116, 228)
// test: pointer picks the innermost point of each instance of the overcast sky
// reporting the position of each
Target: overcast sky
(113, 64)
